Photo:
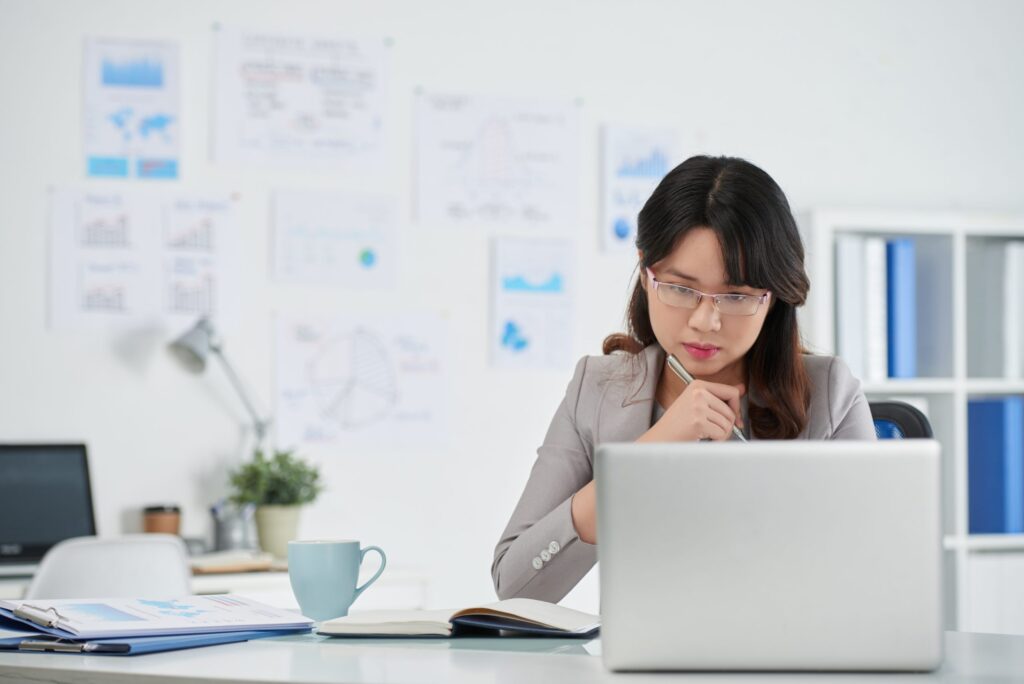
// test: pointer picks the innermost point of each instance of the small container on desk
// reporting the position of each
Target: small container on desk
(165, 519)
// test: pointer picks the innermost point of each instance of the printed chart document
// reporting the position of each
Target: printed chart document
(635, 159)
(140, 257)
(335, 238)
(373, 380)
(130, 110)
(495, 160)
(125, 617)
(299, 100)
(532, 312)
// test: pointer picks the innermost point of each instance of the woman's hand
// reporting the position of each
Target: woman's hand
(705, 410)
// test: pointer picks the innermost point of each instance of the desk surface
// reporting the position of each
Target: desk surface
(307, 659)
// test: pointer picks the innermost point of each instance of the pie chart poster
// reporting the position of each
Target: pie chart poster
(361, 380)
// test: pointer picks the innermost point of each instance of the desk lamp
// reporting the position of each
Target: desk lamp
(194, 347)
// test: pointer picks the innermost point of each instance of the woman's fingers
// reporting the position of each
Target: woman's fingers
(719, 427)
(720, 407)
(720, 396)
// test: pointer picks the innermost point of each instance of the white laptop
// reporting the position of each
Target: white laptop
(773, 555)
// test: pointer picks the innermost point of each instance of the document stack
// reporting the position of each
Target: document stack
(135, 626)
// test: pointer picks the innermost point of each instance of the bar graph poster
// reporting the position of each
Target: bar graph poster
(139, 258)
(301, 101)
(532, 321)
(497, 161)
(369, 381)
(334, 238)
(634, 162)
(130, 112)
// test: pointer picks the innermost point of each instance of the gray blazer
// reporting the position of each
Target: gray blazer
(611, 399)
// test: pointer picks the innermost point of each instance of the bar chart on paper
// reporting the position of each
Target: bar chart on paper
(135, 257)
(635, 159)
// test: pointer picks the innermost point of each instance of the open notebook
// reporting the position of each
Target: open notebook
(512, 616)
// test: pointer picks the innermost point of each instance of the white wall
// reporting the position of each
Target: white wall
(873, 104)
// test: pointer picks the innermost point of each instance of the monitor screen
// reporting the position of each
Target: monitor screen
(44, 498)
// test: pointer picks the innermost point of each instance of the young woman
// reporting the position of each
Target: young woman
(721, 274)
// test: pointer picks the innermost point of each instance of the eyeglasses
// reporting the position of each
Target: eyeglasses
(688, 298)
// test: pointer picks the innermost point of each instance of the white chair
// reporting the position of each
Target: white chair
(136, 565)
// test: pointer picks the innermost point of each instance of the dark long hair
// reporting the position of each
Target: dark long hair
(762, 248)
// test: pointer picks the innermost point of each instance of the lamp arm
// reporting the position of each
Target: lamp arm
(259, 423)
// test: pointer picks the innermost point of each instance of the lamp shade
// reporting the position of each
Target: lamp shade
(193, 347)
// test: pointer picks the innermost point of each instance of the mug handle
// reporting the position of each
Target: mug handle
(383, 563)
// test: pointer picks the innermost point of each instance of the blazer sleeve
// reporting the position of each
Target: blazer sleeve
(539, 555)
(849, 413)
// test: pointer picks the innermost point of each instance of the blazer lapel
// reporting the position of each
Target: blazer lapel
(627, 403)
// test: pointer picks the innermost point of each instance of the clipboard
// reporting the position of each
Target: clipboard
(240, 615)
(43, 643)
(39, 634)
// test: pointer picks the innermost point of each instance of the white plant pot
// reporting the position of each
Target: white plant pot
(276, 526)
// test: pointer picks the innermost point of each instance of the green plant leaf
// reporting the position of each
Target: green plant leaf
(283, 480)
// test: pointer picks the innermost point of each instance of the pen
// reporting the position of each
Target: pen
(685, 376)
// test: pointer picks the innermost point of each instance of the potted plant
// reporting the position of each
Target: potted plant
(279, 486)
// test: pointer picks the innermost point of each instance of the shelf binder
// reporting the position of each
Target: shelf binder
(995, 464)
(902, 308)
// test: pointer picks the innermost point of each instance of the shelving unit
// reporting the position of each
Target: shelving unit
(955, 365)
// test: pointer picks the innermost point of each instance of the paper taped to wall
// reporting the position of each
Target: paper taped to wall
(370, 380)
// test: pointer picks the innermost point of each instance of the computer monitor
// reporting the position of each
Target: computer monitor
(44, 498)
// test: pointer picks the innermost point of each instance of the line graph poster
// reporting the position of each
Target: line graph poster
(531, 321)
(130, 125)
(303, 101)
(635, 160)
(139, 258)
(368, 380)
(497, 160)
(334, 238)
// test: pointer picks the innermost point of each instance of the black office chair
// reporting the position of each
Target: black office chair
(898, 420)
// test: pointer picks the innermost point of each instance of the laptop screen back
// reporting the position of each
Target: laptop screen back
(44, 499)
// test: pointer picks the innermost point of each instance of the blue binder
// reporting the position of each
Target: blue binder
(44, 643)
(902, 308)
(17, 635)
(995, 465)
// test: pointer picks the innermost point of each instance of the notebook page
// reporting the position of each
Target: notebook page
(539, 612)
(391, 622)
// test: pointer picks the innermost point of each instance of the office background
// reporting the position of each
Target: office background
(910, 105)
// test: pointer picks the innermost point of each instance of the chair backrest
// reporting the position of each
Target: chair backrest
(138, 565)
(899, 420)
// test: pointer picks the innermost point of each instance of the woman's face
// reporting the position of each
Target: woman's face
(711, 345)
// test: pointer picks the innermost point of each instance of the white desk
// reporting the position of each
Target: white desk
(308, 659)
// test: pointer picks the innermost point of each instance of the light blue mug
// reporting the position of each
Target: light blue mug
(323, 575)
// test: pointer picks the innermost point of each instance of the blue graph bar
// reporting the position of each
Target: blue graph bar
(520, 284)
(107, 167)
(138, 73)
(654, 165)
